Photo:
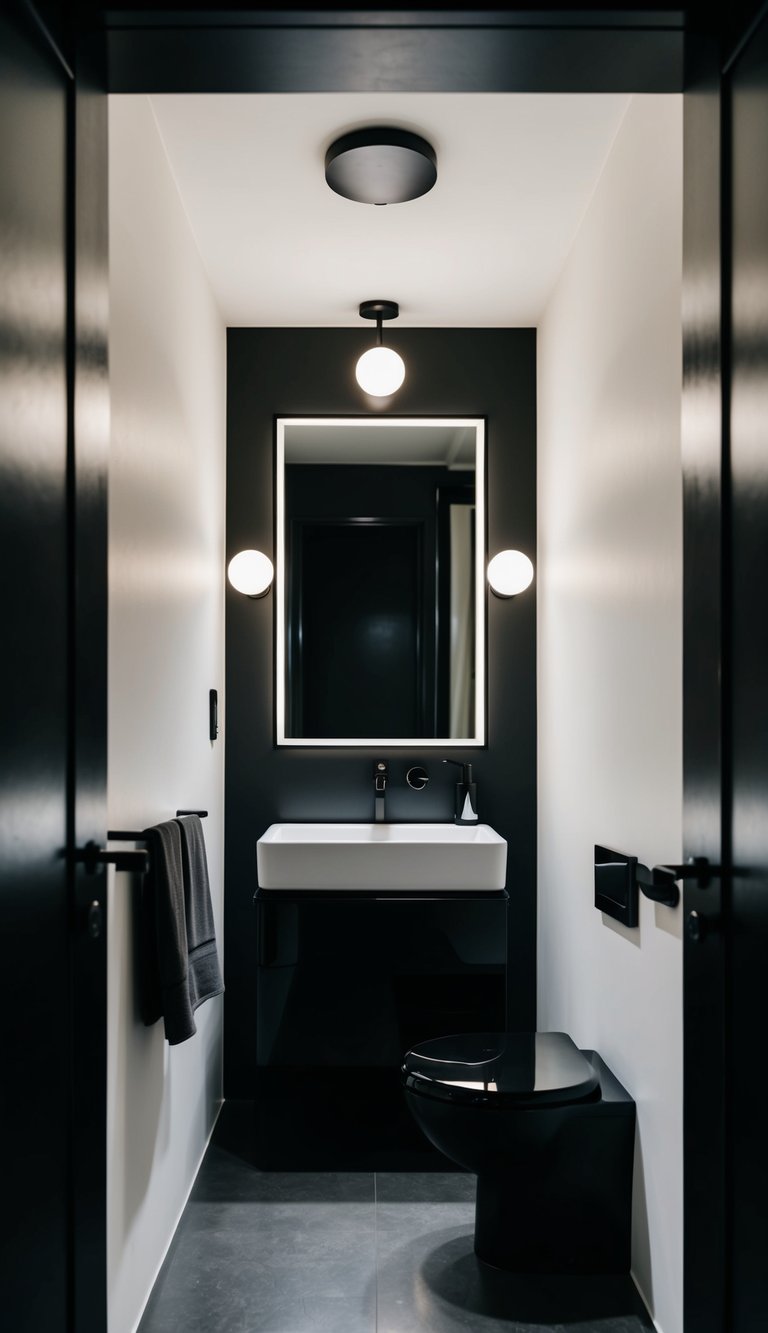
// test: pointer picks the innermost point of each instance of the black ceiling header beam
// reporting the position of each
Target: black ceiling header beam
(562, 17)
(320, 58)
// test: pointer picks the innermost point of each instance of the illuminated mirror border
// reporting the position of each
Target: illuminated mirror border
(380, 742)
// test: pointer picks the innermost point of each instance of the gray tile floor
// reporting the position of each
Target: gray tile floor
(354, 1252)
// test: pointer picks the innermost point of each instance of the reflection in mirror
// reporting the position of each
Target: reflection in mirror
(380, 583)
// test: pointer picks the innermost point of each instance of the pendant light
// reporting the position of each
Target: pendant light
(380, 371)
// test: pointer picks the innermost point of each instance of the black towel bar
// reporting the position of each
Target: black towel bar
(137, 835)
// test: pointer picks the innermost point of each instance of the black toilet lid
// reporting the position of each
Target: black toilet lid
(509, 1068)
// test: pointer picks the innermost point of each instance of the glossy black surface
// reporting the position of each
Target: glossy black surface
(402, 51)
(611, 13)
(349, 575)
(345, 985)
(748, 1156)
(705, 744)
(501, 1068)
(52, 527)
(462, 372)
(619, 878)
(89, 449)
(616, 891)
(33, 569)
(554, 1189)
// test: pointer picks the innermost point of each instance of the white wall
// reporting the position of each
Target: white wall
(166, 638)
(610, 652)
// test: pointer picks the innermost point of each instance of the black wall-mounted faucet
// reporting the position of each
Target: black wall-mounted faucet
(380, 772)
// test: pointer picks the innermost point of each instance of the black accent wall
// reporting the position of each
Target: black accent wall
(302, 372)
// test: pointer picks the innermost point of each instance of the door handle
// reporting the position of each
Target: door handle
(696, 867)
(660, 883)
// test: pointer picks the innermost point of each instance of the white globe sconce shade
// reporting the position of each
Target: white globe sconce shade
(251, 573)
(380, 371)
(509, 573)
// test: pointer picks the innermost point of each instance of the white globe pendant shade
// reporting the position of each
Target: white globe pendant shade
(509, 573)
(251, 572)
(380, 372)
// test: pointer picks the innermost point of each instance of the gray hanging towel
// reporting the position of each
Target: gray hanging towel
(164, 952)
(204, 978)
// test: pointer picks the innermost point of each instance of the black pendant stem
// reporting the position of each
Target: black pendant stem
(379, 310)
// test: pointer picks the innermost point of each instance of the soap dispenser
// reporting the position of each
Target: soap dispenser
(466, 794)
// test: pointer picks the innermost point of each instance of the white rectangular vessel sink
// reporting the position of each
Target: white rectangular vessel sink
(372, 857)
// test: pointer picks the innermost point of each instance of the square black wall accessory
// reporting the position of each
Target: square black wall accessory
(616, 891)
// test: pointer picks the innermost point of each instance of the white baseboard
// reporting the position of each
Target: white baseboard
(175, 1227)
(643, 1298)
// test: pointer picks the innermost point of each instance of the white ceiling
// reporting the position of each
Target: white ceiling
(483, 248)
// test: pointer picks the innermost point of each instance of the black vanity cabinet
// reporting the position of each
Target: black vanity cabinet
(347, 982)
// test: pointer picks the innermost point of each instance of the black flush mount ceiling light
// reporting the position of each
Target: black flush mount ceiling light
(381, 370)
(381, 166)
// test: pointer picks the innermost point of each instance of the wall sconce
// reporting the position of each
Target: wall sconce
(380, 371)
(251, 572)
(509, 573)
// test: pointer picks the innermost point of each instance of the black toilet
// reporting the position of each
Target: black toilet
(550, 1134)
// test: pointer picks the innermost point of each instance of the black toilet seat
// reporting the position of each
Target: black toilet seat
(502, 1069)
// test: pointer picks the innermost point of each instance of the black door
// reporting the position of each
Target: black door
(747, 1166)
(33, 809)
(704, 714)
(53, 439)
(725, 440)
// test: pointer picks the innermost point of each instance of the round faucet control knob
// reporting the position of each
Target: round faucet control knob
(417, 778)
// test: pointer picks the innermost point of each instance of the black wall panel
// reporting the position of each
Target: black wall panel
(467, 372)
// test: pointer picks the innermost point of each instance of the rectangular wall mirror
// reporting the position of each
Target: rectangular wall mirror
(380, 589)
